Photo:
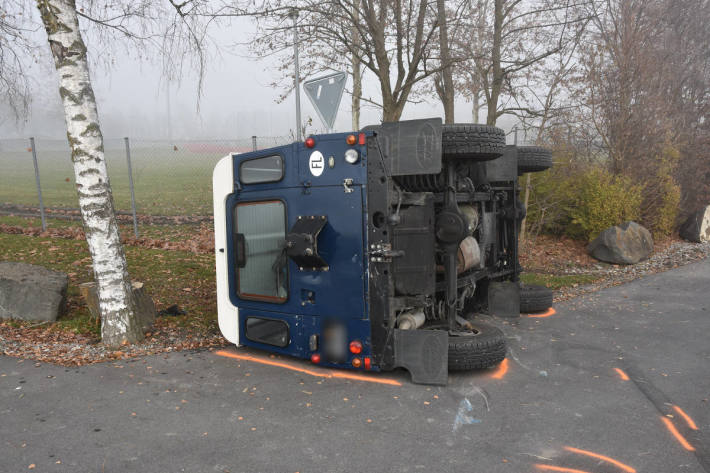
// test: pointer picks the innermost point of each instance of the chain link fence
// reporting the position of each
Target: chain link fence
(169, 178)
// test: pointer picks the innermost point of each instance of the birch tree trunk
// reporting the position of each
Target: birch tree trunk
(119, 323)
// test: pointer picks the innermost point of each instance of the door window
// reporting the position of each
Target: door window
(266, 169)
(263, 270)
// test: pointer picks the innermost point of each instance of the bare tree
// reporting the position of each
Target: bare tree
(392, 41)
(645, 90)
(510, 44)
(15, 51)
(444, 80)
(356, 68)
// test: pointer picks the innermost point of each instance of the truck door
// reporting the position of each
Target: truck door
(281, 301)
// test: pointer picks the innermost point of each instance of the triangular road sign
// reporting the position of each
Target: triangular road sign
(325, 94)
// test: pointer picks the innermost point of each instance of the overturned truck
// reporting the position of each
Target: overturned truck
(376, 249)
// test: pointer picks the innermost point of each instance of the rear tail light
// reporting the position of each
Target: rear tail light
(315, 358)
(310, 142)
(362, 139)
(368, 363)
(355, 347)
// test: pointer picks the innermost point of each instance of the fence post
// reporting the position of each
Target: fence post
(253, 143)
(39, 187)
(130, 184)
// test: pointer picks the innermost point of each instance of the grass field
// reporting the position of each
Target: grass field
(170, 178)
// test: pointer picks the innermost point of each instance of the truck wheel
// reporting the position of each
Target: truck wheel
(482, 347)
(534, 298)
(472, 142)
(533, 159)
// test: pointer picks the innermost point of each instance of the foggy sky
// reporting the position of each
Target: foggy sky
(237, 102)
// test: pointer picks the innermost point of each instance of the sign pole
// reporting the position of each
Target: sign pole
(297, 86)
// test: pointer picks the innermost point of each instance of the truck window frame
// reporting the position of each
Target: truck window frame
(262, 297)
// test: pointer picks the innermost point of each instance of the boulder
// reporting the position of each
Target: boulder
(627, 243)
(145, 308)
(697, 227)
(30, 292)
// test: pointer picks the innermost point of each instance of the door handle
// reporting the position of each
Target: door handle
(240, 252)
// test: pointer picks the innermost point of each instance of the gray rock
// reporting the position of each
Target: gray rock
(627, 243)
(30, 292)
(697, 227)
(145, 308)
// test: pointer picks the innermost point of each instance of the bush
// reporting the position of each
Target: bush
(599, 200)
(661, 194)
(550, 193)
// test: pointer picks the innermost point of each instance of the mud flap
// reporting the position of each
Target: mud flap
(504, 298)
(424, 353)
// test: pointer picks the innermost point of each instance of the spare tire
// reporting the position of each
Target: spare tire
(482, 347)
(533, 159)
(534, 298)
(472, 142)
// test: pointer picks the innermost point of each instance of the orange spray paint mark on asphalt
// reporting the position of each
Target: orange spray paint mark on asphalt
(622, 374)
(686, 417)
(550, 311)
(502, 370)
(562, 469)
(320, 374)
(671, 428)
(598, 456)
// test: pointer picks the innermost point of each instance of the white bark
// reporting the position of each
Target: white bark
(119, 323)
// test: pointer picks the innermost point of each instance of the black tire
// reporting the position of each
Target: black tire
(479, 349)
(533, 159)
(534, 298)
(472, 142)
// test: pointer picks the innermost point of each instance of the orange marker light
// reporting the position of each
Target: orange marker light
(502, 369)
(561, 469)
(622, 374)
(357, 362)
(681, 440)
(686, 418)
(319, 373)
(355, 347)
(598, 456)
(351, 140)
(310, 142)
(549, 312)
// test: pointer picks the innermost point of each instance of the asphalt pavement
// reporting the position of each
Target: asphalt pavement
(617, 381)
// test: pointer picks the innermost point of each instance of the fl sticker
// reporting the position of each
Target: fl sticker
(316, 163)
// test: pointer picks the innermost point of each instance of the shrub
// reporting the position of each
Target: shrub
(550, 193)
(600, 200)
(661, 194)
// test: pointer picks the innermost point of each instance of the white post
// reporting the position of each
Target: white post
(296, 79)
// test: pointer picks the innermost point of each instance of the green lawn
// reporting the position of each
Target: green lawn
(558, 281)
(169, 180)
